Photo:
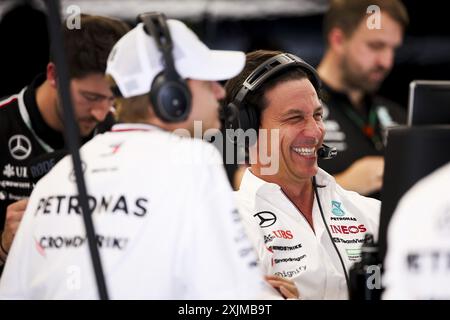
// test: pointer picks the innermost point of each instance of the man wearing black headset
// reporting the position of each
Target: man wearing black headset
(166, 223)
(304, 226)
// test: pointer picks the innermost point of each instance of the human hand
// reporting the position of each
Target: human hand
(364, 176)
(286, 287)
(14, 214)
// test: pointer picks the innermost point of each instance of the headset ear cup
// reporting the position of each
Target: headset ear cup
(154, 93)
(231, 122)
(171, 99)
(244, 119)
(231, 116)
(246, 122)
(238, 121)
(252, 123)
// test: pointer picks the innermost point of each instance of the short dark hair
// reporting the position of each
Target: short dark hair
(257, 99)
(347, 14)
(88, 47)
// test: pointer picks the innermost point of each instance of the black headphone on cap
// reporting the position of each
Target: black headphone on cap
(236, 116)
(169, 94)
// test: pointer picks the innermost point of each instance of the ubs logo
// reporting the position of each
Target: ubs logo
(266, 218)
(19, 147)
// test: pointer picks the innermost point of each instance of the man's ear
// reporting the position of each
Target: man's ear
(51, 74)
(336, 40)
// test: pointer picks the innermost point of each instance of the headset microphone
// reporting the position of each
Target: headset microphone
(325, 152)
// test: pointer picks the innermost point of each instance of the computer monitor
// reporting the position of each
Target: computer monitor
(429, 102)
(411, 154)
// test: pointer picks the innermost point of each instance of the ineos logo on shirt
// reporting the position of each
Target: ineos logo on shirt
(266, 218)
(19, 147)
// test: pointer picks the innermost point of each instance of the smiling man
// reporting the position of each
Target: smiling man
(167, 226)
(304, 226)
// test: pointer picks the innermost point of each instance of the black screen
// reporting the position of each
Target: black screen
(411, 154)
(429, 102)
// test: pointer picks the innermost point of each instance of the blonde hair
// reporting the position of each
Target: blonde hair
(132, 110)
(135, 109)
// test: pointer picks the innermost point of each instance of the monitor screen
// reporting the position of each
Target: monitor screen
(429, 102)
(411, 154)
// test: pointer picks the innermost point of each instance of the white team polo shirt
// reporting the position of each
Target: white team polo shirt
(288, 247)
(166, 224)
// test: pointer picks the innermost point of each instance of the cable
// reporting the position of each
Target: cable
(315, 186)
(72, 141)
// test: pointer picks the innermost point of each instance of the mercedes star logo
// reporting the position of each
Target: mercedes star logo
(266, 218)
(19, 147)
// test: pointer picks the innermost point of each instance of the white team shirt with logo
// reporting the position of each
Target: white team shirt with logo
(286, 244)
(417, 264)
(165, 219)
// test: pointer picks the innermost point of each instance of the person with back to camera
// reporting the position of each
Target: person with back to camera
(418, 267)
(166, 223)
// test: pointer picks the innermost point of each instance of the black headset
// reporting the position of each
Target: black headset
(236, 115)
(169, 94)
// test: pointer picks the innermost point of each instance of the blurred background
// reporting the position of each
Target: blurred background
(289, 25)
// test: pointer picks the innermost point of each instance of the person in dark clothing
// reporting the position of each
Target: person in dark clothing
(31, 122)
(361, 38)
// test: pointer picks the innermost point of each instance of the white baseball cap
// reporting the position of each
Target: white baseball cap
(135, 60)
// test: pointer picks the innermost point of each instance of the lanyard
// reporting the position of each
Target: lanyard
(368, 128)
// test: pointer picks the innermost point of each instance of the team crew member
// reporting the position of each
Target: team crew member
(31, 122)
(358, 57)
(163, 209)
(418, 267)
(304, 226)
